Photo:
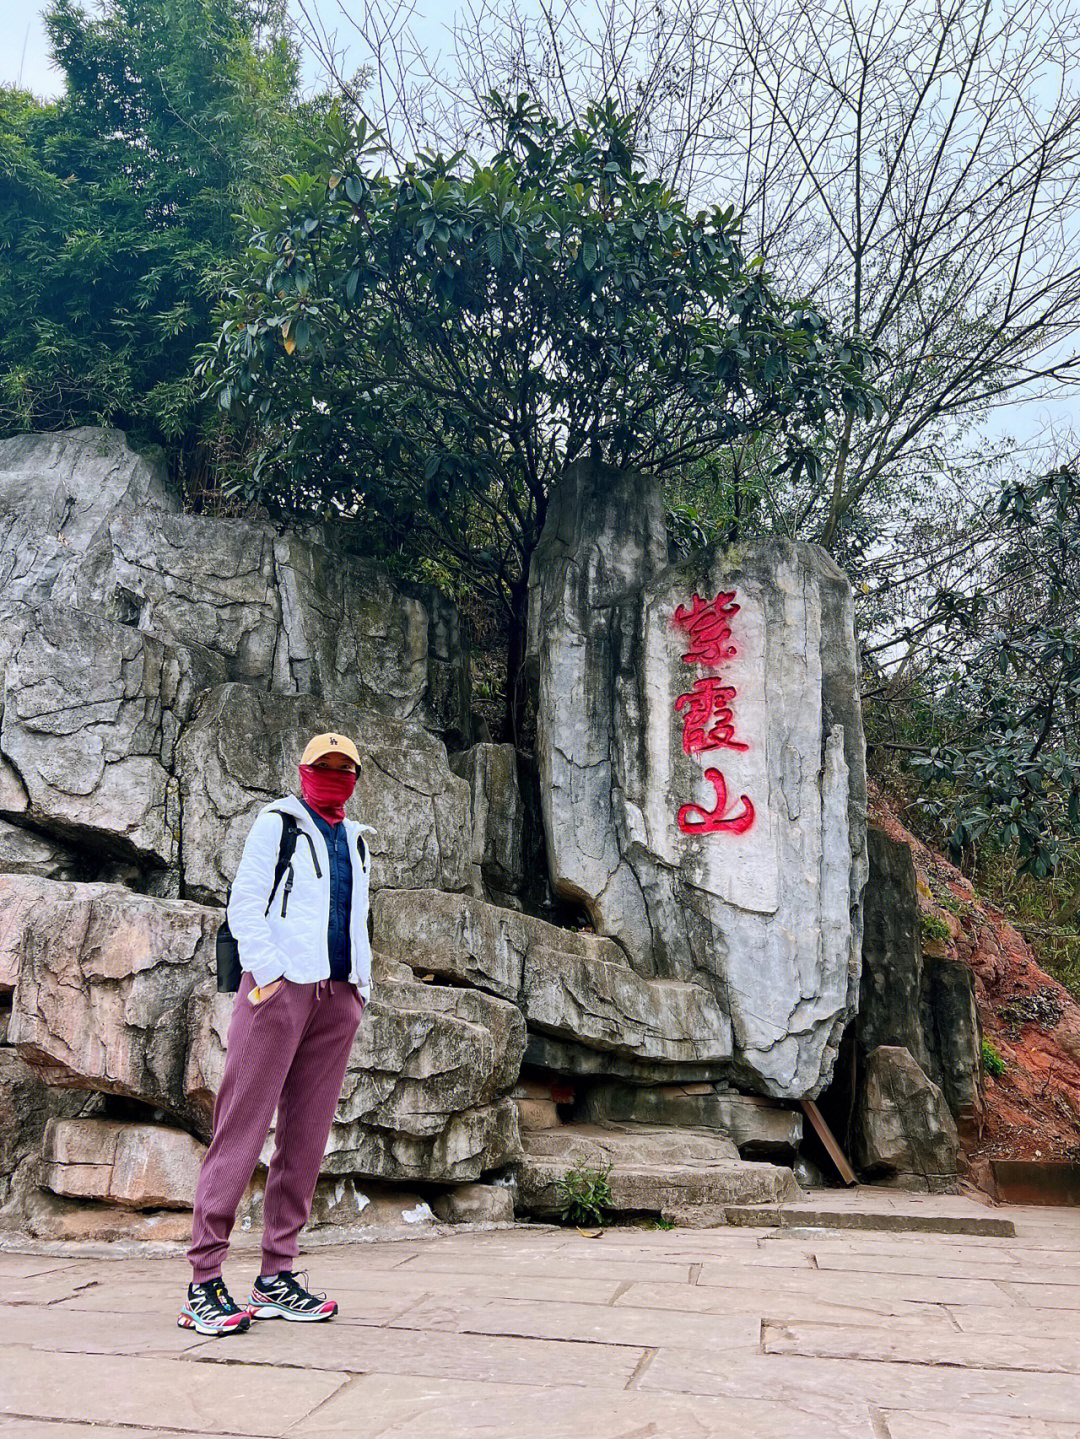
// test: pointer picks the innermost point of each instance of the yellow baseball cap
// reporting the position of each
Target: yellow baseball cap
(329, 743)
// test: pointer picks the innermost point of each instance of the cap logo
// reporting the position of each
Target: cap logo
(333, 739)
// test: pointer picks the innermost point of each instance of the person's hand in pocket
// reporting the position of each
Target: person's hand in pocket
(259, 993)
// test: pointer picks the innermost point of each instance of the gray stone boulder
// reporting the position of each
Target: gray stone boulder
(426, 1092)
(103, 986)
(91, 714)
(648, 1169)
(919, 1002)
(25, 851)
(498, 817)
(890, 995)
(760, 1128)
(569, 985)
(953, 1035)
(241, 750)
(137, 1166)
(702, 766)
(89, 522)
(27, 1106)
(475, 1204)
(904, 1132)
(57, 495)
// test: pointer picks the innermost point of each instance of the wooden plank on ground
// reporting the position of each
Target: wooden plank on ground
(825, 1134)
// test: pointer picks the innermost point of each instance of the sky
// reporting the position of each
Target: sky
(24, 60)
(24, 45)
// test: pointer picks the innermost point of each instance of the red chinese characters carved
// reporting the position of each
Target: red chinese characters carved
(710, 720)
(707, 623)
(708, 710)
(693, 819)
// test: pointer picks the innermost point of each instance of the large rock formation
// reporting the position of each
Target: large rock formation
(240, 751)
(159, 674)
(92, 711)
(702, 767)
(904, 1131)
(113, 991)
(913, 1002)
(569, 985)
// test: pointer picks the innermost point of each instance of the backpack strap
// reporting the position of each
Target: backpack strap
(286, 848)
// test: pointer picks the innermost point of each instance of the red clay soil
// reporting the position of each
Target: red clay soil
(1033, 1110)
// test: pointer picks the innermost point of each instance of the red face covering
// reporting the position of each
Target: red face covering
(326, 790)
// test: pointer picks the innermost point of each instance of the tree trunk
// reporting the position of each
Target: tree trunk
(517, 682)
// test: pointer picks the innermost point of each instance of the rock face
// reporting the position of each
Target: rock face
(498, 820)
(571, 986)
(904, 1130)
(648, 1169)
(88, 522)
(702, 767)
(954, 1034)
(159, 674)
(27, 1107)
(23, 851)
(239, 752)
(759, 1127)
(114, 992)
(104, 980)
(892, 968)
(92, 711)
(138, 1166)
(921, 1003)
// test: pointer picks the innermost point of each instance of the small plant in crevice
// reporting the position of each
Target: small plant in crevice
(583, 1195)
(935, 928)
(992, 1061)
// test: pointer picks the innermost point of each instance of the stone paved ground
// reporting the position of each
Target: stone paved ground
(536, 1333)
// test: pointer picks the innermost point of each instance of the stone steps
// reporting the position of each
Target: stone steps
(869, 1207)
(761, 1128)
(653, 1169)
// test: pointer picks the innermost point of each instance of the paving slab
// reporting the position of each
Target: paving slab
(590, 1323)
(865, 1209)
(462, 1409)
(119, 1389)
(857, 1285)
(924, 1346)
(957, 1425)
(797, 1379)
(358, 1348)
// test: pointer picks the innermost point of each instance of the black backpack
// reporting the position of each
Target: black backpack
(229, 972)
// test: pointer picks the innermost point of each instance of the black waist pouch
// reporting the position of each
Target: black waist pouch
(229, 972)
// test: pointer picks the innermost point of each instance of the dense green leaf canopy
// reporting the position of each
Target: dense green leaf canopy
(118, 204)
(436, 343)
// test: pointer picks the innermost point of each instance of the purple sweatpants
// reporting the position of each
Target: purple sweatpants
(288, 1053)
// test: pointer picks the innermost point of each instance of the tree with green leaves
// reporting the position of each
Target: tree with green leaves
(432, 345)
(1003, 768)
(119, 201)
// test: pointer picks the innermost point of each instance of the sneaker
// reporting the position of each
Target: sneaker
(210, 1310)
(282, 1296)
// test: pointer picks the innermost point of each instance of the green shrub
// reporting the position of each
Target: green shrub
(992, 1061)
(584, 1194)
(934, 928)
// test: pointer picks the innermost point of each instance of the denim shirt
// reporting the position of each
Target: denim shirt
(337, 932)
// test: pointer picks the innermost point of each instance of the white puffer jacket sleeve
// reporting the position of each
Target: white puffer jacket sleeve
(247, 904)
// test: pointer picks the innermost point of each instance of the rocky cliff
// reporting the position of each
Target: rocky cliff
(703, 799)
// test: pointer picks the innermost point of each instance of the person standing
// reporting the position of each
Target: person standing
(304, 950)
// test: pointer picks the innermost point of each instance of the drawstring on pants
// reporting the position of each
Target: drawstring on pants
(319, 987)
